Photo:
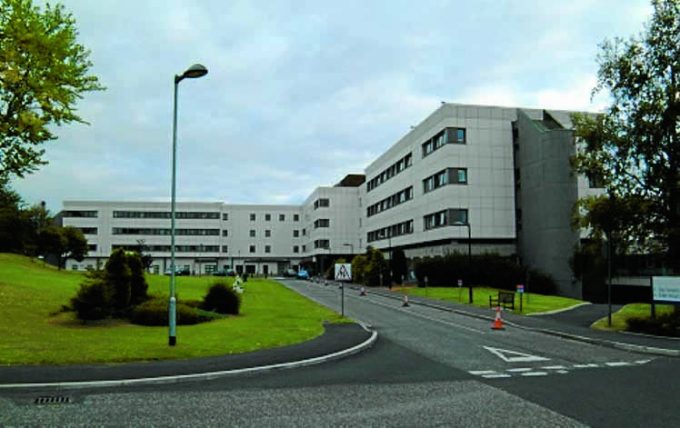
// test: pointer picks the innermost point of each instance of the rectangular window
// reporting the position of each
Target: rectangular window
(296, 233)
(454, 216)
(595, 181)
(296, 249)
(91, 247)
(253, 217)
(252, 248)
(444, 177)
(88, 230)
(446, 136)
(267, 233)
(304, 248)
(225, 233)
(267, 249)
(282, 217)
(322, 243)
(225, 216)
(304, 232)
(91, 214)
(225, 249)
(322, 203)
(252, 233)
(322, 222)
(390, 202)
(403, 228)
(267, 217)
(296, 217)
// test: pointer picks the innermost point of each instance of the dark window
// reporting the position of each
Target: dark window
(225, 233)
(267, 217)
(296, 249)
(252, 248)
(225, 249)
(296, 217)
(88, 230)
(253, 217)
(455, 216)
(282, 217)
(322, 222)
(267, 249)
(80, 213)
(252, 233)
(225, 216)
(267, 233)
(296, 233)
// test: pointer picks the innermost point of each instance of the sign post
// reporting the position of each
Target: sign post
(460, 291)
(343, 272)
(520, 290)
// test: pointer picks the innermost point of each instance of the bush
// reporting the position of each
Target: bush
(154, 312)
(540, 282)
(118, 278)
(221, 298)
(662, 325)
(489, 270)
(93, 301)
(138, 285)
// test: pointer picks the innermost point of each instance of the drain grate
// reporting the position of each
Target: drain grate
(53, 399)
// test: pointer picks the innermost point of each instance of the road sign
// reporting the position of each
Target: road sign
(343, 272)
(460, 282)
(520, 288)
(666, 288)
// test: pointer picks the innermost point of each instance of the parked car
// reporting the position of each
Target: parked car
(290, 273)
(224, 272)
(302, 274)
(179, 271)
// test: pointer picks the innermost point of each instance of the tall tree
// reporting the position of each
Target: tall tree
(634, 145)
(43, 72)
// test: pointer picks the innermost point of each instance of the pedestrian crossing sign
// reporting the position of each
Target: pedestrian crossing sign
(343, 272)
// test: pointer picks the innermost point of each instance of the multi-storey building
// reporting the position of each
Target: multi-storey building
(489, 179)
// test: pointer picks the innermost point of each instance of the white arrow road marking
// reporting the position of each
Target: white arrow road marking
(514, 356)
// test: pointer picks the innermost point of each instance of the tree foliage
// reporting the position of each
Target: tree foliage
(44, 72)
(633, 147)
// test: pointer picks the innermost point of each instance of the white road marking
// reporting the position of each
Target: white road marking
(553, 367)
(496, 376)
(619, 364)
(535, 374)
(482, 372)
(585, 366)
(642, 361)
(519, 357)
(520, 370)
(562, 371)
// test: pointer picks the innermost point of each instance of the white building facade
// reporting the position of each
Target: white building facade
(479, 178)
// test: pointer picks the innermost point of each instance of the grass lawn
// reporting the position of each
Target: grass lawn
(32, 331)
(532, 302)
(629, 311)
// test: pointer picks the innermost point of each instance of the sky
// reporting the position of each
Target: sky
(301, 93)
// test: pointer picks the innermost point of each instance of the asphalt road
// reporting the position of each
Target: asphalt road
(428, 368)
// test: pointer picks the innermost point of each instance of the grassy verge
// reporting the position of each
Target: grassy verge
(532, 302)
(33, 331)
(629, 311)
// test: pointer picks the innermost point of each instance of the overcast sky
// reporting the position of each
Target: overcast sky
(300, 93)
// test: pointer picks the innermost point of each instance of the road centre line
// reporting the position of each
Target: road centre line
(520, 370)
(496, 376)
(618, 364)
(554, 367)
(535, 374)
(481, 372)
(586, 366)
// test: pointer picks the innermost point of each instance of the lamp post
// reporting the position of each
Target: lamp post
(193, 72)
(467, 224)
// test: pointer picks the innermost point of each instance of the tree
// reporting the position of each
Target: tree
(633, 147)
(15, 229)
(76, 244)
(118, 279)
(138, 285)
(399, 265)
(44, 72)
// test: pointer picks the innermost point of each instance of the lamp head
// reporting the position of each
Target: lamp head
(193, 72)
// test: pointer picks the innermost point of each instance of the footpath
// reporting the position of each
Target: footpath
(571, 324)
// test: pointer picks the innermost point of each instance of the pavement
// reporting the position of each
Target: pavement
(337, 341)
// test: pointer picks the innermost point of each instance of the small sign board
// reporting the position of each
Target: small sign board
(666, 288)
(343, 271)
(520, 288)
(460, 282)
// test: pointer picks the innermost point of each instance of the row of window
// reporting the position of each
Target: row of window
(322, 222)
(446, 136)
(391, 201)
(322, 243)
(444, 177)
(399, 229)
(454, 216)
(88, 230)
(166, 248)
(190, 215)
(390, 172)
(267, 217)
(165, 232)
(92, 214)
(322, 203)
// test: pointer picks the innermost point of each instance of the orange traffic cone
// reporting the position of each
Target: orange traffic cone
(362, 292)
(497, 323)
(405, 304)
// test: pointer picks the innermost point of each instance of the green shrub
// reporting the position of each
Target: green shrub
(540, 282)
(221, 298)
(662, 325)
(93, 301)
(138, 285)
(118, 278)
(490, 270)
(155, 312)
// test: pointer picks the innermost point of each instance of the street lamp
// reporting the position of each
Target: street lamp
(467, 224)
(193, 72)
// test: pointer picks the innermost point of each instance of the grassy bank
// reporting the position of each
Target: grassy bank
(34, 331)
(532, 302)
(630, 310)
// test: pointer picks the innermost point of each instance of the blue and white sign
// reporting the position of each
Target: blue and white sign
(666, 288)
(520, 288)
